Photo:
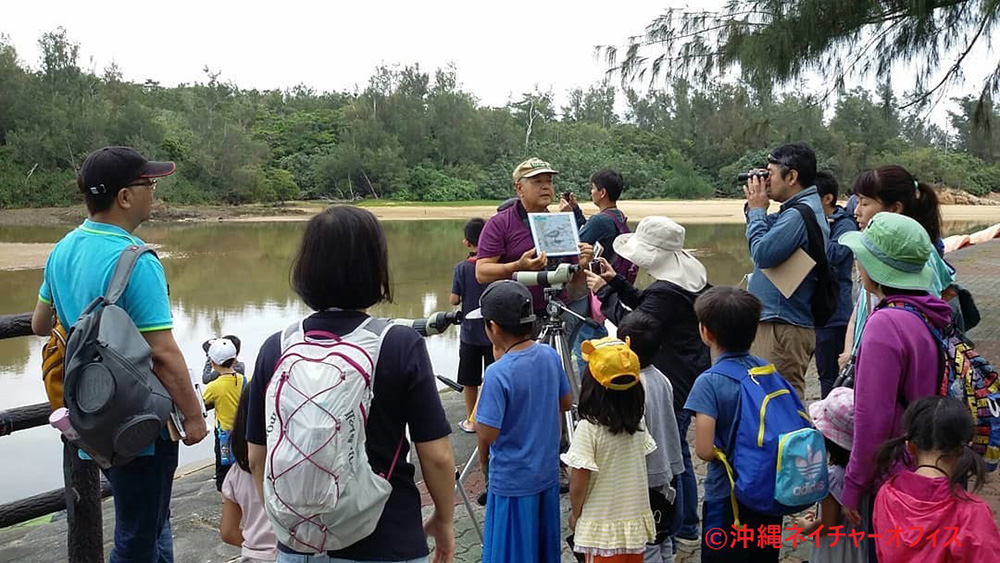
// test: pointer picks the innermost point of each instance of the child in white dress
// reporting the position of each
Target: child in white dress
(611, 517)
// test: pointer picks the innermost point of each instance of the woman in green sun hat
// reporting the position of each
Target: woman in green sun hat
(897, 359)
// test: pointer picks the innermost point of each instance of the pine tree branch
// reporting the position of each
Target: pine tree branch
(954, 69)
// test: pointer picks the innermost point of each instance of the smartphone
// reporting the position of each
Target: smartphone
(595, 264)
(567, 195)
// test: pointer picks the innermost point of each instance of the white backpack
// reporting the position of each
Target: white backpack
(320, 493)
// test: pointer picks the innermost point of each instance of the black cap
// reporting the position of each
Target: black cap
(506, 303)
(110, 169)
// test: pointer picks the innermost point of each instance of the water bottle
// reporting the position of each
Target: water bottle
(59, 419)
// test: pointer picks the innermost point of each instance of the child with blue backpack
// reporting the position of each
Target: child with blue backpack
(753, 430)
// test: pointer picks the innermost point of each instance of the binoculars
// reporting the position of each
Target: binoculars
(762, 174)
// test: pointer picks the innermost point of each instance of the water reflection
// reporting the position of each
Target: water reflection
(234, 278)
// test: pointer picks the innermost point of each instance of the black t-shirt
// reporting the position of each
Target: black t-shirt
(465, 285)
(405, 393)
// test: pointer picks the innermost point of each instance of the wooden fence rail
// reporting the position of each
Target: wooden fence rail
(80, 497)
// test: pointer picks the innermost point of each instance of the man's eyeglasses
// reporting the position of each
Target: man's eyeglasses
(151, 184)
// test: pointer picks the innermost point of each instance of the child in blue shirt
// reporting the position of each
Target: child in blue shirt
(475, 352)
(727, 318)
(518, 424)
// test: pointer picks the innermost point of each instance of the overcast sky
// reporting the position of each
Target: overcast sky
(501, 48)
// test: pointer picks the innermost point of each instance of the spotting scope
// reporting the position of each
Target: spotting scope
(548, 278)
(434, 324)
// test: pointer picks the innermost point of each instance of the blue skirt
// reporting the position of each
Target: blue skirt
(522, 529)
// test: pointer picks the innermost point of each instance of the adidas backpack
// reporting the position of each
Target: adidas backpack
(970, 378)
(320, 492)
(780, 456)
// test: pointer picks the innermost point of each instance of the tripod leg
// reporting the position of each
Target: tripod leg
(460, 485)
(562, 346)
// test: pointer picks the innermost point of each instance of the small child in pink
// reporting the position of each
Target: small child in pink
(926, 515)
(244, 522)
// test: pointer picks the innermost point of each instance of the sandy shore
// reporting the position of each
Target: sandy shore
(19, 256)
(685, 212)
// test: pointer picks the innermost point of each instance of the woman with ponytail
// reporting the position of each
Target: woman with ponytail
(892, 189)
(928, 509)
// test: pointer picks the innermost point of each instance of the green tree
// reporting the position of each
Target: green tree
(596, 105)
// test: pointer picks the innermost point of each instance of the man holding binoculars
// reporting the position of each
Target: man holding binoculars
(785, 335)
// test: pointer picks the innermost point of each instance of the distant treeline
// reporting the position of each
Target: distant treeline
(417, 136)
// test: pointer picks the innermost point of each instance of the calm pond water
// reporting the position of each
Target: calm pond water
(233, 278)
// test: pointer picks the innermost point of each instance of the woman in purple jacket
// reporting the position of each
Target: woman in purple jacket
(898, 359)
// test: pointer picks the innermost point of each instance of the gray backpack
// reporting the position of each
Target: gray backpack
(116, 403)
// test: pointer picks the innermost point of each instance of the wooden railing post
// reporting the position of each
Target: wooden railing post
(85, 534)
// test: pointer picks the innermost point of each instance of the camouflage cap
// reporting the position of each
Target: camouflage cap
(532, 167)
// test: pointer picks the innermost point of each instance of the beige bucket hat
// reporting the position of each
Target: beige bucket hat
(657, 246)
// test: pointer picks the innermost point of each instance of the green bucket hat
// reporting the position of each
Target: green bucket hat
(893, 250)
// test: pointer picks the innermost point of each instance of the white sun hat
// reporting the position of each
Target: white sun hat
(657, 246)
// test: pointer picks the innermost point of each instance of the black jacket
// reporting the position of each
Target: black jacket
(683, 356)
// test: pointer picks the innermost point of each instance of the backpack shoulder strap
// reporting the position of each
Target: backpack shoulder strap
(620, 224)
(123, 271)
(814, 235)
(292, 334)
(376, 325)
(939, 338)
(731, 369)
(935, 332)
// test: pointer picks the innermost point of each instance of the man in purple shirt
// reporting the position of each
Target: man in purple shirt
(506, 246)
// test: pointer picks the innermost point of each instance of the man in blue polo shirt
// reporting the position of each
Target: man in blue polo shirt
(118, 185)
(785, 335)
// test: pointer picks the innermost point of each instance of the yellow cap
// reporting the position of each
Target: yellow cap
(532, 167)
(608, 359)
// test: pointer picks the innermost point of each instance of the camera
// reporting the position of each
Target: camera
(759, 173)
(567, 195)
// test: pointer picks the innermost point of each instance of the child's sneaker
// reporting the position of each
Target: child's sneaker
(467, 426)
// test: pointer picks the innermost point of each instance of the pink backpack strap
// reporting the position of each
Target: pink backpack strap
(395, 458)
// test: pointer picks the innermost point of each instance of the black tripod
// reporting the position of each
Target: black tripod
(553, 334)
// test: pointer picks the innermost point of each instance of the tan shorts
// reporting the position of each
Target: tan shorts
(789, 348)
